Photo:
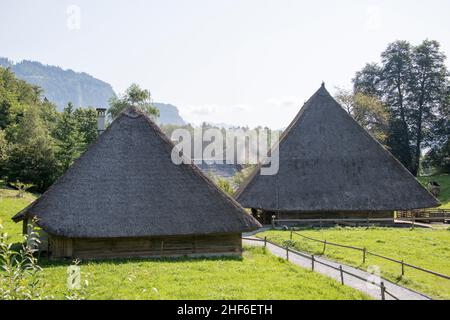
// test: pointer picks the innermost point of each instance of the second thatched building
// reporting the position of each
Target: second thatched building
(330, 167)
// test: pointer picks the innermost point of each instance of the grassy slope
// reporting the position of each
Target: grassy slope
(257, 276)
(422, 247)
(444, 181)
(10, 205)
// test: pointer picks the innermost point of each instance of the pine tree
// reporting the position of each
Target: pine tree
(70, 141)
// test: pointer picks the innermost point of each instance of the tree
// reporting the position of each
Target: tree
(21, 187)
(3, 150)
(87, 124)
(411, 81)
(134, 97)
(30, 156)
(428, 86)
(368, 111)
(437, 159)
(3, 145)
(70, 141)
(15, 96)
(367, 80)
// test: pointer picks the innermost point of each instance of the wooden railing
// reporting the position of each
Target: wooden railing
(426, 215)
(365, 252)
(314, 261)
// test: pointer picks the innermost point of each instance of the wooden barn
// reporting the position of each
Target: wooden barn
(330, 167)
(124, 197)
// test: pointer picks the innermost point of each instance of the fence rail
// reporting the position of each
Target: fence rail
(381, 285)
(410, 216)
(425, 214)
(364, 220)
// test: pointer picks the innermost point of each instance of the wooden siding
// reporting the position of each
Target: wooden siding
(265, 217)
(229, 244)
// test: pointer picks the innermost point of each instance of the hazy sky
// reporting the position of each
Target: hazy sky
(248, 62)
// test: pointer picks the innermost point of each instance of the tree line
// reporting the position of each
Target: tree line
(38, 143)
(404, 101)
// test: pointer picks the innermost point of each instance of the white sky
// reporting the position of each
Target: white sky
(246, 62)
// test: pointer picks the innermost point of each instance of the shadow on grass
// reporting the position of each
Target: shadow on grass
(45, 261)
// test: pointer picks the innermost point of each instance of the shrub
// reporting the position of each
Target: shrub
(20, 274)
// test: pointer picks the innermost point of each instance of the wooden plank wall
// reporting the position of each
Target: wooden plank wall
(146, 247)
(333, 215)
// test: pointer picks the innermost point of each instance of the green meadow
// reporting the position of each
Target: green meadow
(258, 275)
(426, 248)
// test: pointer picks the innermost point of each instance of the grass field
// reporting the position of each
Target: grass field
(444, 181)
(258, 275)
(426, 248)
(10, 204)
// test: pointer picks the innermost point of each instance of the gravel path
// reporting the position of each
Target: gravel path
(372, 290)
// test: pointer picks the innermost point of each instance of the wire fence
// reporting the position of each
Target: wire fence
(314, 261)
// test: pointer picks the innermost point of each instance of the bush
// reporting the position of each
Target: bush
(20, 275)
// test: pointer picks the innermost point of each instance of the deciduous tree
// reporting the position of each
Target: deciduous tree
(134, 97)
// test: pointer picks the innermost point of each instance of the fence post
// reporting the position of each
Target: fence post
(342, 274)
(364, 255)
(312, 262)
(273, 222)
(291, 235)
(265, 242)
(383, 291)
(287, 253)
(403, 268)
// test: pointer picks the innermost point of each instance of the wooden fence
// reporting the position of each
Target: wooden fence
(327, 221)
(365, 252)
(426, 215)
(314, 261)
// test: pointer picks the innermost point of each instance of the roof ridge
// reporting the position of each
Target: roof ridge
(292, 124)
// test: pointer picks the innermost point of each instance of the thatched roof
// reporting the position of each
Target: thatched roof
(328, 162)
(125, 185)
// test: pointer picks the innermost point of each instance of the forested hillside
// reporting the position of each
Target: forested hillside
(81, 89)
(63, 86)
(37, 142)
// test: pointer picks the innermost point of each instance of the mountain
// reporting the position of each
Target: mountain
(83, 90)
(63, 86)
(168, 114)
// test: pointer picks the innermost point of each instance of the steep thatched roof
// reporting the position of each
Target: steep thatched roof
(330, 163)
(125, 185)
